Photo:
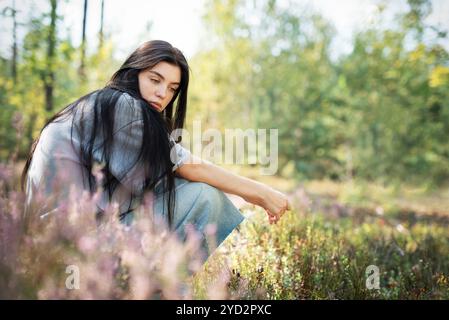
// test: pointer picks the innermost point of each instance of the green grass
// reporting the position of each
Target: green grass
(314, 257)
(319, 252)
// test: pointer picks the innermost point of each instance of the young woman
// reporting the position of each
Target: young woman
(126, 128)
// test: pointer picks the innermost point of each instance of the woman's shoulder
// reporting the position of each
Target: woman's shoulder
(126, 107)
(106, 103)
(126, 98)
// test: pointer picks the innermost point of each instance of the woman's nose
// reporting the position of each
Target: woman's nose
(160, 92)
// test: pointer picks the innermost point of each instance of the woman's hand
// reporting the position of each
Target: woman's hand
(275, 204)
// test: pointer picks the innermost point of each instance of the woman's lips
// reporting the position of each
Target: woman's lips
(156, 106)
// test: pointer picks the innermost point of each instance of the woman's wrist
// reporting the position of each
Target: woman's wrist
(259, 195)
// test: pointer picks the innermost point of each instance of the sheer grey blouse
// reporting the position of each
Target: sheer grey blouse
(56, 166)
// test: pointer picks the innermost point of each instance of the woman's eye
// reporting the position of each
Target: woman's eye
(155, 80)
(173, 90)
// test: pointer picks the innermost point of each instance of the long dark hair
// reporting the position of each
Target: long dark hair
(155, 149)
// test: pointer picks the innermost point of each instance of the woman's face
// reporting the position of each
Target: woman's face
(158, 84)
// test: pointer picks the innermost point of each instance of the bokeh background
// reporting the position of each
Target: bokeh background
(359, 91)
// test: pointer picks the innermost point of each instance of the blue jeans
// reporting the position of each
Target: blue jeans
(199, 205)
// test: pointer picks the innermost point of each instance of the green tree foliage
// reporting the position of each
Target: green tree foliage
(379, 112)
(45, 74)
(400, 100)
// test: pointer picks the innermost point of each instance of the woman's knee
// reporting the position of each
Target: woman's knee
(197, 201)
(206, 198)
(208, 194)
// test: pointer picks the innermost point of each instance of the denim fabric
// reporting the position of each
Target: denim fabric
(199, 205)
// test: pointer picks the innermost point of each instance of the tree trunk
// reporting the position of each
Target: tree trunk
(101, 34)
(83, 43)
(14, 43)
(49, 75)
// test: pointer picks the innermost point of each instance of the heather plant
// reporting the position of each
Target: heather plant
(73, 253)
(311, 253)
(314, 256)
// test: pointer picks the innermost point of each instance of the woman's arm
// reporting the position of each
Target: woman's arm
(274, 202)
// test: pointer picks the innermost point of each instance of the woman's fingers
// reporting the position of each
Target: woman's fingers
(277, 211)
(272, 218)
(285, 208)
